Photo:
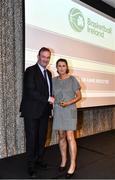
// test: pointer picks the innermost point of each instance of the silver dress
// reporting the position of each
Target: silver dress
(65, 118)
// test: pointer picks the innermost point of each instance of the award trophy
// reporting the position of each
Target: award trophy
(59, 98)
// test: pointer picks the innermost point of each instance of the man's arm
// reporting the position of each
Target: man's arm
(29, 87)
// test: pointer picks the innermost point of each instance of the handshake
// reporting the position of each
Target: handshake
(62, 103)
(51, 100)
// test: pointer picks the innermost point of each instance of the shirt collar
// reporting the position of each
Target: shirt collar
(41, 67)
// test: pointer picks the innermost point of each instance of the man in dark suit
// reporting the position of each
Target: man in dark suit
(36, 107)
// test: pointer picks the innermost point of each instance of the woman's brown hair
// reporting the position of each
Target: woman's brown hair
(65, 61)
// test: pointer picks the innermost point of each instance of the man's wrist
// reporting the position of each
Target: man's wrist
(49, 99)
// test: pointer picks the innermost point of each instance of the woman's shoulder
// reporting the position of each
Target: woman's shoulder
(55, 78)
(73, 77)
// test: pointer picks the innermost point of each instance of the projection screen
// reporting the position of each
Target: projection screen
(79, 34)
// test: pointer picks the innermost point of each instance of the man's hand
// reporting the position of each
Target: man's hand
(51, 100)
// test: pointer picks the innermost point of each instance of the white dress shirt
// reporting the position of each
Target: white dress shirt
(48, 81)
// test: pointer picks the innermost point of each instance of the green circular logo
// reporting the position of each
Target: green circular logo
(76, 20)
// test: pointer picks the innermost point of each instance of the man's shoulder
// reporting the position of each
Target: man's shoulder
(31, 68)
(49, 72)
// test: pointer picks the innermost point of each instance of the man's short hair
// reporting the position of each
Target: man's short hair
(44, 49)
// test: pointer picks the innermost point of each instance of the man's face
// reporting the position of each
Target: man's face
(44, 58)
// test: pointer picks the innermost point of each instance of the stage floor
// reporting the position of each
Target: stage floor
(96, 160)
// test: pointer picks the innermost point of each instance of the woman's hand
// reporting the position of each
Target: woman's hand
(71, 101)
(64, 104)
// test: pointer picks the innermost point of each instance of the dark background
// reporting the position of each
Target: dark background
(101, 6)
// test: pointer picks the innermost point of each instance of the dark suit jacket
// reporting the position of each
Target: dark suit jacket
(35, 93)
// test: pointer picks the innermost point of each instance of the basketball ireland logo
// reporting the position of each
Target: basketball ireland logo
(76, 20)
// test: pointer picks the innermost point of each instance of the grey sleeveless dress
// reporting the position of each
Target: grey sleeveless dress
(65, 118)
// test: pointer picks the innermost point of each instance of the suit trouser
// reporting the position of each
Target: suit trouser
(36, 132)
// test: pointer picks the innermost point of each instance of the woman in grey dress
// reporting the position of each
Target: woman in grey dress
(66, 91)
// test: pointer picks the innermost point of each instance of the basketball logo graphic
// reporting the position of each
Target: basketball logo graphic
(76, 20)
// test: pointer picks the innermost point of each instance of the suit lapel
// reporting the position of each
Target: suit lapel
(39, 73)
(50, 79)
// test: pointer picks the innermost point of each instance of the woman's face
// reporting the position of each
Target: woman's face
(62, 68)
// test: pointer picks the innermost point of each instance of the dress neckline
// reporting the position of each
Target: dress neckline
(63, 79)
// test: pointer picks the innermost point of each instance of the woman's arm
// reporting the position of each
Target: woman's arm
(72, 101)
